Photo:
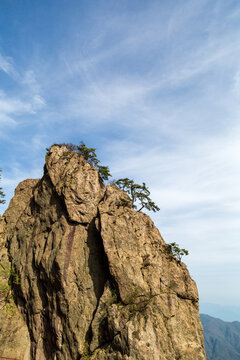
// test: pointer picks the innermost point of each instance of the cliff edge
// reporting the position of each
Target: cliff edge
(95, 278)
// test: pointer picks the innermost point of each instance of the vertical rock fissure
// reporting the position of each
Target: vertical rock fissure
(107, 277)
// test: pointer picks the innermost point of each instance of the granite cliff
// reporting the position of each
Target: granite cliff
(95, 278)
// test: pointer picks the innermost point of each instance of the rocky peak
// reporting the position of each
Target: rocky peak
(96, 279)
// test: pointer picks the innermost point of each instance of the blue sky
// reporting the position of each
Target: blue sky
(155, 87)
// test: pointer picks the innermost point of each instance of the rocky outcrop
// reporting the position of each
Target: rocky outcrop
(96, 280)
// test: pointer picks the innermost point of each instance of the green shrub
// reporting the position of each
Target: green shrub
(179, 253)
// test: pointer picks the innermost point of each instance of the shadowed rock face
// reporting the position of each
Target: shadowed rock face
(14, 336)
(96, 278)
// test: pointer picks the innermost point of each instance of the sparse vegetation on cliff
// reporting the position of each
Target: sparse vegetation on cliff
(2, 195)
(179, 253)
(90, 156)
(137, 193)
(8, 277)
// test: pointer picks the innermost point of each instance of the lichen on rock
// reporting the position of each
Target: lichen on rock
(96, 279)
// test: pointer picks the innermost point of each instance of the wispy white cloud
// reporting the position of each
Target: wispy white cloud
(103, 94)
(6, 64)
(101, 102)
(11, 108)
(26, 101)
(33, 86)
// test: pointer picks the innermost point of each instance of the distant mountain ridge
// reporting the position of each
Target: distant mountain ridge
(223, 312)
(221, 338)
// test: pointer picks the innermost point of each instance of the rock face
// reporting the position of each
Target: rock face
(14, 336)
(96, 280)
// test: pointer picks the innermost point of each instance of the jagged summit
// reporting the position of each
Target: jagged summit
(96, 279)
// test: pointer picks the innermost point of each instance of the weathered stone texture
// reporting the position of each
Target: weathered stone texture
(14, 336)
(96, 279)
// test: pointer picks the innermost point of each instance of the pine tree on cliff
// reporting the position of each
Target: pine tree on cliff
(137, 193)
(179, 253)
(2, 195)
(90, 156)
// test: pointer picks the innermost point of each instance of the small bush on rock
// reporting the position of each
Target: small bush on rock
(179, 253)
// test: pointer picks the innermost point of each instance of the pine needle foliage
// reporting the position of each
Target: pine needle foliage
(179, 253)
(138, 193)
(2, 195)
(90, 156)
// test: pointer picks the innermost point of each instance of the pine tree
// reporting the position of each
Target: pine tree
(90, 156)
(179, 253)
(137, 192)
(2, 195)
